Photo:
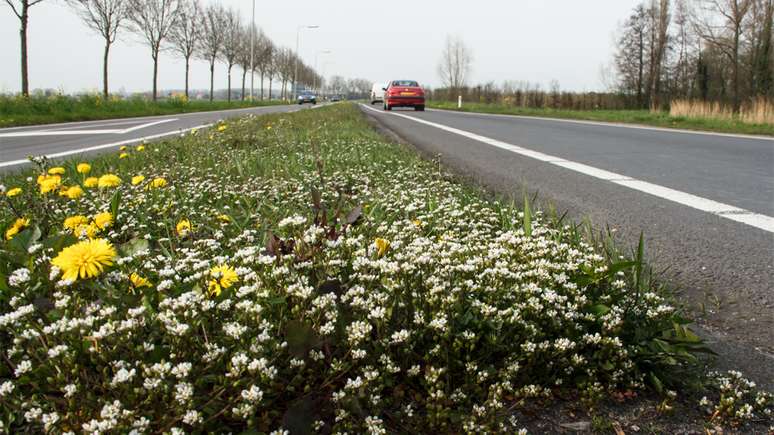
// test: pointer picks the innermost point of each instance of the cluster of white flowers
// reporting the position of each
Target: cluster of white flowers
(736, 400)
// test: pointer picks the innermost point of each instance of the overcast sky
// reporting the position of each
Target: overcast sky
(528, 40)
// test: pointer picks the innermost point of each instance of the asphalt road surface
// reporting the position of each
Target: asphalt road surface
(73, 138)
(703, 201)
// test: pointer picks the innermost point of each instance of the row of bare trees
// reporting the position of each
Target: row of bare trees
(190, 31)
(716, 50)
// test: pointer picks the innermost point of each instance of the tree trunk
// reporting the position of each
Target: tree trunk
(229, 84)
(187, 68)
(261, 85)
(640, 71)
(23, 35)
(105, 70)
(736, 70)
(270, 78)
(244, 76)
(212, 78)
(155, 74)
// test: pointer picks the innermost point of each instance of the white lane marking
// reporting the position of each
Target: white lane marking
(107, 145)
(33, 133)
(720, 209)
(611, 124)
(149, 124)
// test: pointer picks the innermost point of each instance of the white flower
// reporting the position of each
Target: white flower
(183, 392)
(192, 417)
(181, 370)
(122, 376)
(23, 367)
(18, 277)
(252, 395)
(6, 388)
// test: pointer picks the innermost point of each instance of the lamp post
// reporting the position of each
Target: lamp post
(319, 52)
(295, 71)
(252, 54)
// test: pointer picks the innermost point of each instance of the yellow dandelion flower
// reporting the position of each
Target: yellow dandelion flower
(56, 171)
(103, 220)
(74, 192)
(91, 182)
(157, 183)
(140, 148)
(137, 179)
(123, 155)
(138, 281)
(13, 192)
(49, 184)
(123, 148)
(88, 230)
(72, 223)
(109, 180)
(85, 259)
(16, 227)
(382, 246)
(223, 276)
(83, 168)
(183, 227)
(222, 127)
(224, 218)
(417, 223)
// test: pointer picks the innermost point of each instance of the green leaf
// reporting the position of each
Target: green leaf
(301, 338)
(656, 382)
(115, 201)
(599, 309)
(134, 246)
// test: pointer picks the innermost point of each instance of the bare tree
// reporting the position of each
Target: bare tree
(243, 57)
(724, 35)
(21, 8)
(213, 37)
(761, 54)
(264, 50)
(454, 66)
(153, 21)
(104, 17)
(630, 58)
(185, 33)
(232, 42)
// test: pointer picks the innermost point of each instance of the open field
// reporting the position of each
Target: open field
(643, 117)
(299, 271)
(15, 111)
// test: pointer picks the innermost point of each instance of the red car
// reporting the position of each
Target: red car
(404, 93)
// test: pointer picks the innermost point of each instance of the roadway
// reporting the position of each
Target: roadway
(703, 201)
(74, 138)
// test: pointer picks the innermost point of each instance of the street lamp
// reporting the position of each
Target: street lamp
(295, 71)
(319, 52)
(252, 54)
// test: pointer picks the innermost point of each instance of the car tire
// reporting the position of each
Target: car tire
(419, 108)
(314, 102)
(389, 107)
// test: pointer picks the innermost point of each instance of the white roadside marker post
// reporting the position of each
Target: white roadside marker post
(459, 101)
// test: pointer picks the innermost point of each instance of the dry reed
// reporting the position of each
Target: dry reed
(755, 111)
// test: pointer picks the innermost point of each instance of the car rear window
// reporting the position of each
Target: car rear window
(405, 83)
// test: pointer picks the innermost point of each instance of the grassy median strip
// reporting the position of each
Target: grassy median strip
(19, 110)
(298, 271)
(641, 117)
